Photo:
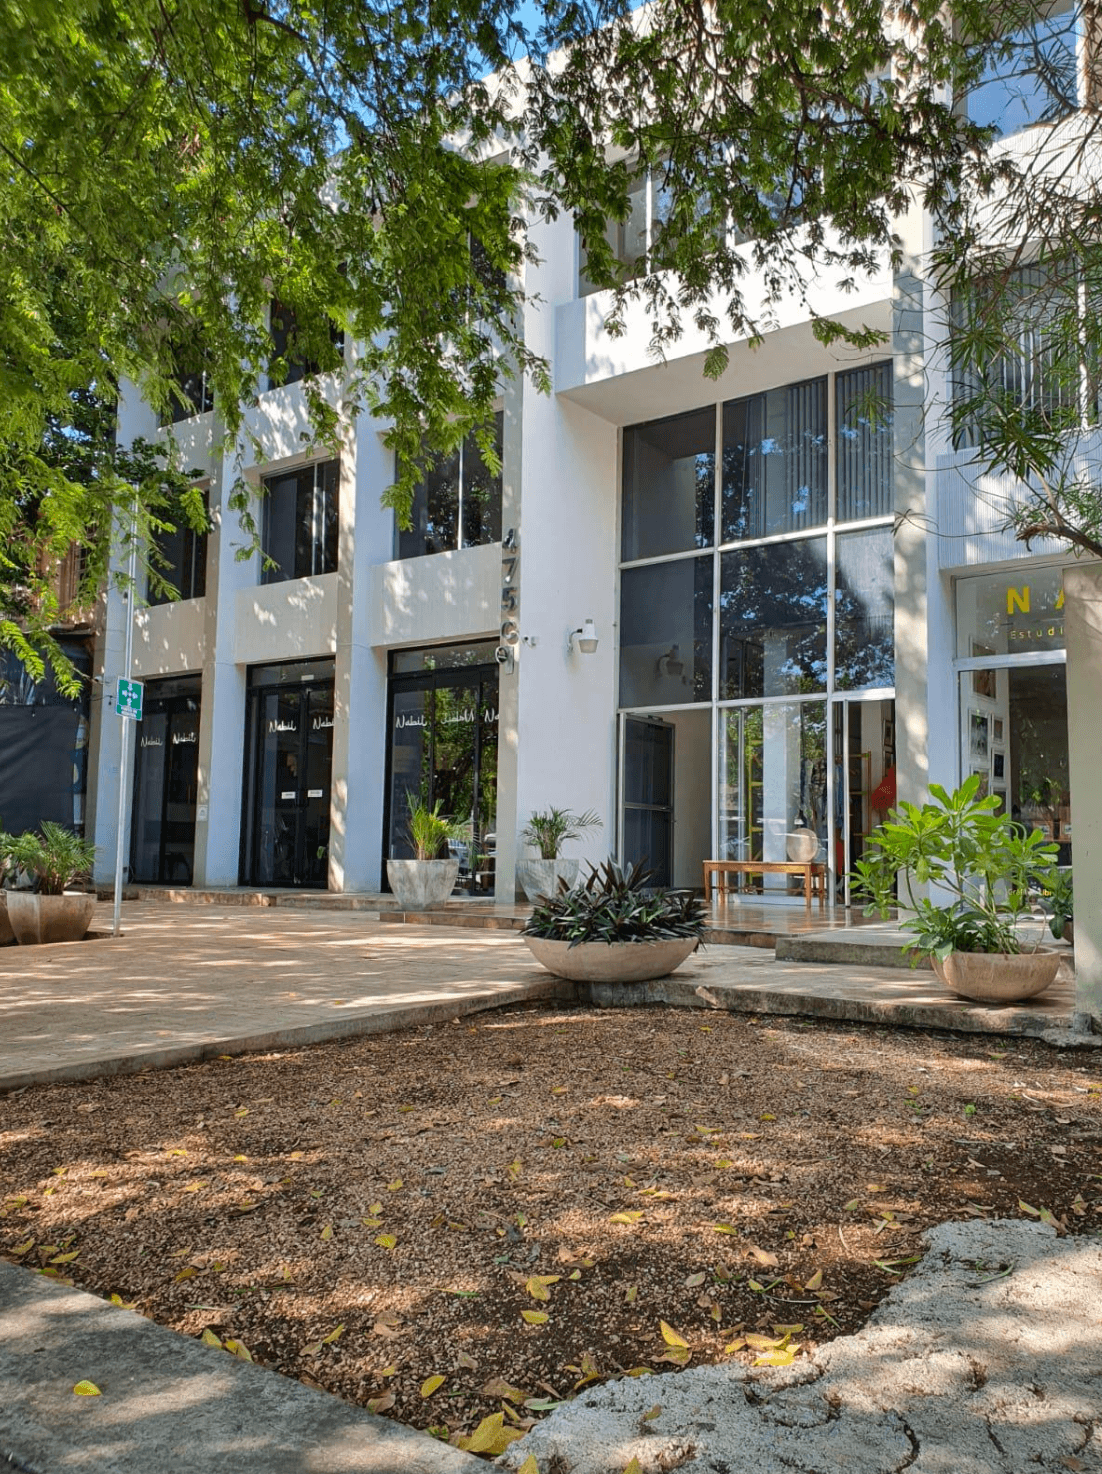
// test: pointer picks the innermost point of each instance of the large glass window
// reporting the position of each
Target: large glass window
(289, 363)
(458, 504)
(863, 442)
(299, 530)
(773, 609)
(775, 461)
(1011, 613)
(773, 783)
(180, 560)
(669, 485)
(1031, 74)
(666, 633)
(864, 610)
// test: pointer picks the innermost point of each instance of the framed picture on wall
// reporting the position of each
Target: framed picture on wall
(998, 763)
(979, 726)
(996, 729)
(984, 683)
(981, 774)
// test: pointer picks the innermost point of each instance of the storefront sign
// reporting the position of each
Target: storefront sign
(510, 600)
(181, 739)
(276, 725)
(321, 724)
(1003, 613)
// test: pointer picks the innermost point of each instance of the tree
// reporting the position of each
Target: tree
(171, 168)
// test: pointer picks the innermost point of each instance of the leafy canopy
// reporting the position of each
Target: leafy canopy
(170, 168)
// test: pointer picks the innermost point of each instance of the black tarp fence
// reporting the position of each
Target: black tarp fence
(43, 745)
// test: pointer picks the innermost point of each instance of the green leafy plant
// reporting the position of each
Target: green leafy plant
(5, 857)
(429, 830)
(614, 905)
(549, 830)
(1060, 902)
(988, 867)
(54, 856)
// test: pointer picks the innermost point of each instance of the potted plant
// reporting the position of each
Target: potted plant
(1061, 907)
(613, 929)
(54, 858)
(547, 832)
(6, 933)
(429, 878)
(984, 871)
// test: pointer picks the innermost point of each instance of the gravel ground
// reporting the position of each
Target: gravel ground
(459, 1220)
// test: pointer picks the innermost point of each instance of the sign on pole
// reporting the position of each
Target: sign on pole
(128, 700)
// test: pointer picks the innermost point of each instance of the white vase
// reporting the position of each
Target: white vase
(419, 884)
(539, 877)
(36, 918)
(616, 962)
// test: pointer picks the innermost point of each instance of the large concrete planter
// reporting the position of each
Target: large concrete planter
(6, 933)
(419, 884)
(35, 918)
(997, 977)
(541, 877)
(620, 962)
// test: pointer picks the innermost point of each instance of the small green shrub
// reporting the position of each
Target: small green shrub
(613, 905)
(429, 830)
(54, 857)
(549, 830)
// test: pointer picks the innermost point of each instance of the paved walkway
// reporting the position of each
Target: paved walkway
(188, 982)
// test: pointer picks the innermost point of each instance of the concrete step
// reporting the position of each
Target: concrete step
(860, 946)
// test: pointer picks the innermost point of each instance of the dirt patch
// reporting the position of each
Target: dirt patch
(516, 1205)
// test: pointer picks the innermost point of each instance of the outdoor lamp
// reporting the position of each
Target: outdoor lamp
(586, 637)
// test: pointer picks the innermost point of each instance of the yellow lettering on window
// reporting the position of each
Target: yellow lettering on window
(1017, 599)
(1060, 600)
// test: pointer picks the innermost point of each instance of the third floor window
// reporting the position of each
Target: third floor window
(457, 504)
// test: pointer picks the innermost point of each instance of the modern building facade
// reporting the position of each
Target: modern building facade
(803, 610)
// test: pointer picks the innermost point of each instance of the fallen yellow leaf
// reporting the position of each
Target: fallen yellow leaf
(87, 1389)
(671, 1337)
(208, 1338)
(385, 1240)
(535, 1317)
(431, 1385)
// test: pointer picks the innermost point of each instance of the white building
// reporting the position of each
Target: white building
(802, 608)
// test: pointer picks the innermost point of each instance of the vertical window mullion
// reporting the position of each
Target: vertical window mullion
(832, 490)
(459, 542)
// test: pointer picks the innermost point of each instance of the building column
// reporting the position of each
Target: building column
(1083, 632)
(359, 706)
(222, 708)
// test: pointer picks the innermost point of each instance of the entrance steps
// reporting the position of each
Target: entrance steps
(863, 946)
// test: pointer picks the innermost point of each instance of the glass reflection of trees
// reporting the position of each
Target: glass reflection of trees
(864, 610)
(773, 608)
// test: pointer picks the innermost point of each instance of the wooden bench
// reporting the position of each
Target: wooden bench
(813, 872)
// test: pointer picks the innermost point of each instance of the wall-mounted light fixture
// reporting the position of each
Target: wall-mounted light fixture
(670, 664)
(586, 637)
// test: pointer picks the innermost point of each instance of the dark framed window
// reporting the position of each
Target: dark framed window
(180, 560)
(300, 522)
(773, 620)
(864, 610)
(669, 485)
(775, 461)
(666, 633)
(863, 442)
(191, 391)
(288, 363)
(458, 503)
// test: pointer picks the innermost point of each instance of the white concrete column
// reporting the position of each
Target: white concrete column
(359, 735)
(222, 709)
(1083, 632)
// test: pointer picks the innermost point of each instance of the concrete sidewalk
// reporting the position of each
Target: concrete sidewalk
(187, 983)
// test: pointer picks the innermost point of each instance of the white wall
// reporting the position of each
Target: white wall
(445, 596)
(294, 620)
(169, 638)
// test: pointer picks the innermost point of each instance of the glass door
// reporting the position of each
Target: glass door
(646, 763)
(443, 749)
(291, 759)
(864, 783)
(162, 836)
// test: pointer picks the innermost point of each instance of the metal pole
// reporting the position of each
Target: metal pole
(124, 754)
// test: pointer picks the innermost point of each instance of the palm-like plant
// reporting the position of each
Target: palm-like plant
(54, 856)
(549, 830)
(429, 830)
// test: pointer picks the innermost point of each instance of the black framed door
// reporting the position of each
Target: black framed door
(646, 766)
(166, 778)
(289, 772)
(443, 725)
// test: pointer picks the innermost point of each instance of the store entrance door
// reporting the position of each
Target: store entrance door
(646, 766)
(162, 836)
(290, 760)
(863, 781)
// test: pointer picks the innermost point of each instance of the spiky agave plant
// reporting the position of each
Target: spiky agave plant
(617, 905)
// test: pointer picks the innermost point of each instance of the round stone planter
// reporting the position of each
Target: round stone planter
(622, 962)
(6, 933)
(35, 918)
(997, 977)
(419, 884)
(541, 877)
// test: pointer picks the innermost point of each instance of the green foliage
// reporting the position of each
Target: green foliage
(985, 865)
(1060, 902)
(429, 830)
(614, 905)
(54, 856)
(548, 830)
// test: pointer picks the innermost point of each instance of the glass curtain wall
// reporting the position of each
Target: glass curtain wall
(757, 578)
